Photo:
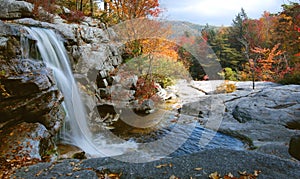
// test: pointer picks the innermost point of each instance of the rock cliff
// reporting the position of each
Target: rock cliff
(29, 96)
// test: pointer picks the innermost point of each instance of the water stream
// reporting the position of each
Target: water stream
(167, 139)
(53, 53)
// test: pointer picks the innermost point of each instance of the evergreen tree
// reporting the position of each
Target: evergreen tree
(238, 40)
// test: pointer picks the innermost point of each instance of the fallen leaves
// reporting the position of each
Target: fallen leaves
(198, 169)
(9, 166)
(164, 165)
(214, 175)
(243, 175)
(173, 177)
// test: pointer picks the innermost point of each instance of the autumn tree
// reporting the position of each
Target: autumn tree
(149, 53)
(121, 10)
(287, 31)
(196, 51)
(259, 31)
(185, 55)
(271, 64)
(43, 10)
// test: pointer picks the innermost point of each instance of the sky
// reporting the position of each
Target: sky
(217, 12)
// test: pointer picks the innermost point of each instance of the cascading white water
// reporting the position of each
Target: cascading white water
(53, 53)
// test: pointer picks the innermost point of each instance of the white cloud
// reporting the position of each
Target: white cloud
(218, 12)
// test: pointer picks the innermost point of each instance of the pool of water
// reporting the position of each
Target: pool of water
(211, 140)
(172, 135)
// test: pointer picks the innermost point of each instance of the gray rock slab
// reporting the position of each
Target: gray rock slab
(223, 161)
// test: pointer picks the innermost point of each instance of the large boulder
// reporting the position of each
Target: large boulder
(30, 103)
(272, 105)
(264, 118)
(28, 93)
(12, 9)
(25, 140)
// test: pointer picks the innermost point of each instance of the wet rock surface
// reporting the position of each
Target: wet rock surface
(28, 94)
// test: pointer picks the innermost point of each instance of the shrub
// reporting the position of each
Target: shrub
(229, 74)
(43, 10)
(163, 70)
(226, 87)
(145, 89)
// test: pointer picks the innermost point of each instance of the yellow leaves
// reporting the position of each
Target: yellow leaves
(3, 91)
(198, 169)
(226, 87)
(243, 175)
(114, 176)
(164, 165)
(173, 177)
(214, 175)
(160, 47)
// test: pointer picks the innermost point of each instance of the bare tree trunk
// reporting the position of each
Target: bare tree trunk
(105, 6)
(81, 5)
(92, 7)
(77, 4)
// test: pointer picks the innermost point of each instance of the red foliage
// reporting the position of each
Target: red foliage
(48, 8)
(271, 64)
(73, 16)
(146, 89)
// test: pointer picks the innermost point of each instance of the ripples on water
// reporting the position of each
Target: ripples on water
(170, 137)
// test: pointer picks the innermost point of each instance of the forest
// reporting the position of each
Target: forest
(264, 49)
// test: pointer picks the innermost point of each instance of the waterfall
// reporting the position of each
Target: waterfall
(76, 130)
(53, 53)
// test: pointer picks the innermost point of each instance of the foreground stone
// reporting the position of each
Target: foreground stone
(264, 118)
(198, 165)
(17, 143)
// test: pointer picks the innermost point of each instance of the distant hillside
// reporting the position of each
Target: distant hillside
(180, 28)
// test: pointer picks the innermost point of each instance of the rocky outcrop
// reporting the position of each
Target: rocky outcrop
(28, 94)
(12, 9)
(273, 106)
(262, 118)
(28, 91)
(93, 55)
(25, 140)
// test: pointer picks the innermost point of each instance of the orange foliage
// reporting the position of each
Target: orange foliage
(131, 9)
(271, 64)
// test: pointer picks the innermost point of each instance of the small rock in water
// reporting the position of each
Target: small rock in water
(79, 155)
